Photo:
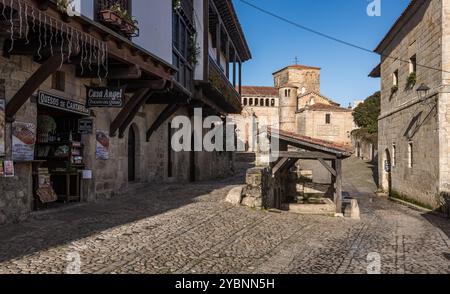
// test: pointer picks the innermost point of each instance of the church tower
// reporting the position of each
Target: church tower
(292, 82)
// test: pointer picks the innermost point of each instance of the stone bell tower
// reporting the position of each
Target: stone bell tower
(292, 82)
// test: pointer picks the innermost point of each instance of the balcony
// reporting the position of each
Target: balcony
(220, 91)
(117, 16)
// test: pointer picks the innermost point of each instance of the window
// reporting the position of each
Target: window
(59, 81)
(256, 102)
(267, 103)
(287, 93)
(261, 102)
(328, 119)
(395, 78)
(413, 64)
(272, 102)
(250, 102)
(410, 155)
(245, 102)
(394, 154)
(180, 35)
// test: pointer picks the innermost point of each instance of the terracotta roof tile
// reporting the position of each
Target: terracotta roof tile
(298, 66)
(337, 147)
(259, 91)
(327, 107)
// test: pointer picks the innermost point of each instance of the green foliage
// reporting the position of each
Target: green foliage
(412, 79)
(366, 114)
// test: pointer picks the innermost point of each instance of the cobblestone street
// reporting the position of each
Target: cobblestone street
(190, 229)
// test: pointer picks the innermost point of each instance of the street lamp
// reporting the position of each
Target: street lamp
(422, 92)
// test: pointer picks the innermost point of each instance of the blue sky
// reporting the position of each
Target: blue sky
(275, 44)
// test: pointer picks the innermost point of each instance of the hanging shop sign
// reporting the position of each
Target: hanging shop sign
(23, 141)
(104, 97)
(2, 127)
(85, 126)
(102, 147)
(52, 101)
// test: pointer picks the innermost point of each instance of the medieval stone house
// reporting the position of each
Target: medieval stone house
(63, 151)
(295, 105)
(413, 140)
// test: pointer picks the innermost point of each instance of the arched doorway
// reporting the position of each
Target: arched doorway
(131, 155)
(386, 179)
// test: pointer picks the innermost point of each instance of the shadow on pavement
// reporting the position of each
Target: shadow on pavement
(60, 227)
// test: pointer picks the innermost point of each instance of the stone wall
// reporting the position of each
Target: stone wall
(312, 124)
(404, 119)
(110, 177)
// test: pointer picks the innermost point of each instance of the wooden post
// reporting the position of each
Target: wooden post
(234, 68)
(338, 185)
(240, 77)
(32, 84)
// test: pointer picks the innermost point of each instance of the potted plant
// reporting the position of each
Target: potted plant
(63, 6)
(129, 24)
(412, 79)
(112, 15)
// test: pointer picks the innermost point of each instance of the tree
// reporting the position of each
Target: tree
(366, 114)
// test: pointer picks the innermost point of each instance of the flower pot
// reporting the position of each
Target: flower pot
(111, 17)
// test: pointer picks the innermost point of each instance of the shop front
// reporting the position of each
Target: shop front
(66, 134)
(59, 151)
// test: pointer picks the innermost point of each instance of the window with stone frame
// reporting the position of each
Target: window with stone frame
(413, 64)
(395, 78)
(410, 155)
(394, 155)
(328, 118)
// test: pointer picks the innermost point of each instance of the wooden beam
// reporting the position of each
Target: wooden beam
(165, 115)
(48, 68)
(114, 72)
(133, 85)
(279, 165)
(306, 155)
(328, 167)
(127, 109)
(338, 185)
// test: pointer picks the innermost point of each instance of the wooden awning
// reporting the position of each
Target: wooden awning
(39, 30)
(306, 148)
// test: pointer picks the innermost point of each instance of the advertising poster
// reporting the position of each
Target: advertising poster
(23, 141)
(8, 167)
(102, 148)
(2, 127)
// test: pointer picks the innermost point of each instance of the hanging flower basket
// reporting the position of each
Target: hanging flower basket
(111, 17)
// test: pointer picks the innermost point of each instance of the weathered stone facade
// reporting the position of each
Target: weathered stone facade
(413, 132)
(294, 105)
(110, 177)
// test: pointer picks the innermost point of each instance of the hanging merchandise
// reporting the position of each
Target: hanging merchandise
(53, 31)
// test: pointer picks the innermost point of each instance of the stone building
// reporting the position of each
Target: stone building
(295, 105)
(413, 139)
(91, 153)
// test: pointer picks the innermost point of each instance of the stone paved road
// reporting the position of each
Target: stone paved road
(189, 229)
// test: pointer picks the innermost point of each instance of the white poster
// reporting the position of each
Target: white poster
(102, 148)
(2, 127)
(23, 141)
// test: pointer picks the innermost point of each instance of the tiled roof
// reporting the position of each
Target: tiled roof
(333, 147)
(298, 66)
(259, 91)
(327, 107)
(318, 94)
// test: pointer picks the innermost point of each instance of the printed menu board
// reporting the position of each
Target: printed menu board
(23, 141)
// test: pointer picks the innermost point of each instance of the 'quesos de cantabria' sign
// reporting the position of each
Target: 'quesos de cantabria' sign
(104, 97)
(52, 101)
